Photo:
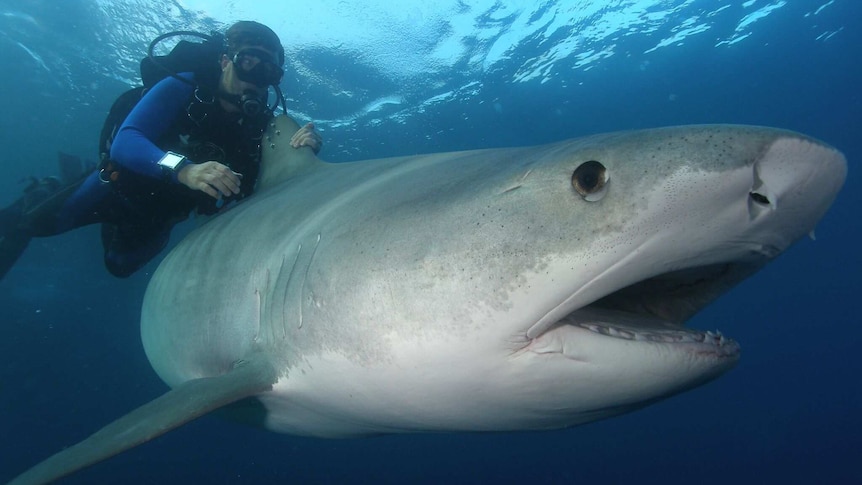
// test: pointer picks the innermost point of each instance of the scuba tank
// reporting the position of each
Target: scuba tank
(201, 58)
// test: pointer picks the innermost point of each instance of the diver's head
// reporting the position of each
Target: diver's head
(252, 63)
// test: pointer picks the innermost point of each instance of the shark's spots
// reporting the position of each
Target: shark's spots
(591, 180)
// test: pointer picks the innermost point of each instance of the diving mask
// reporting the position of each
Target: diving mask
(258, 67)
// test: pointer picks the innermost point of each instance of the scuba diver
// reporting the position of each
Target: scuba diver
(189, 139)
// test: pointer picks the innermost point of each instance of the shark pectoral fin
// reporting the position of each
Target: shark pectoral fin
(185, 403)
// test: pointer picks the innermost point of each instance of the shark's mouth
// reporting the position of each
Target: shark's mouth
(656, 309)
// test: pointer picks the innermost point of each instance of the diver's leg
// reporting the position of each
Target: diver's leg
(129, 247)
(12, 241)
(94, 201)
(48, 207)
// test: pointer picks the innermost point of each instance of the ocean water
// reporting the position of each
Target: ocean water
(382, 78)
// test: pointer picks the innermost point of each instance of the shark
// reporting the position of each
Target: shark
(528, 288)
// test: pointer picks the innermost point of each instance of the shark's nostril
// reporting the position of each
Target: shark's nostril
(759, 198)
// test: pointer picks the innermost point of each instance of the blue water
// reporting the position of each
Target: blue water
(380, 80)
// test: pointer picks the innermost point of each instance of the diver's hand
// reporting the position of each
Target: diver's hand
(215, 179)
(307, 136)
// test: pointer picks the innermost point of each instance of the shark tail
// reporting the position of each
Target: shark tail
(179, 406)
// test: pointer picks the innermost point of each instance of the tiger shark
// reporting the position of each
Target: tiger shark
(491, 290)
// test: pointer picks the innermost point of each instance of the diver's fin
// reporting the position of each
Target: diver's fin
(14, 237)
(11, 248)
(34, 214)
(186, 402)
(72, 168)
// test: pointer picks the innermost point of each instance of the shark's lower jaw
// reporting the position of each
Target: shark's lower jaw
(658, 334)
(641, 328)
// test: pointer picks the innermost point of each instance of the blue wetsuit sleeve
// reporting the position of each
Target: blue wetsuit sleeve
(134, 146)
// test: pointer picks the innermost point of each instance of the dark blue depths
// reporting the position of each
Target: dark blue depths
(789, 413)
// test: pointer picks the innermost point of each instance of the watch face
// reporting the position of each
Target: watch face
(171, 160)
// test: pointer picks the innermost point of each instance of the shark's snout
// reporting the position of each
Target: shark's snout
(794, 182)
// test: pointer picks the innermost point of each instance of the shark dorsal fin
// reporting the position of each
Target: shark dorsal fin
(279, 160)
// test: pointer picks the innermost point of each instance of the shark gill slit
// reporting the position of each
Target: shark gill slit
(305, 277)
(288, 283)
(280, 287)
(260, 292)
(259, 315)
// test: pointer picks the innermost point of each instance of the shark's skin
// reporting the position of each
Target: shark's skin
(470, 291)
(425, 293)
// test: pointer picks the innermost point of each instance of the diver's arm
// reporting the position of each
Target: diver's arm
(135, 149)
(134, 146)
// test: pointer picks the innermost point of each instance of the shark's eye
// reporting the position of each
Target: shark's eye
(591, 180)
